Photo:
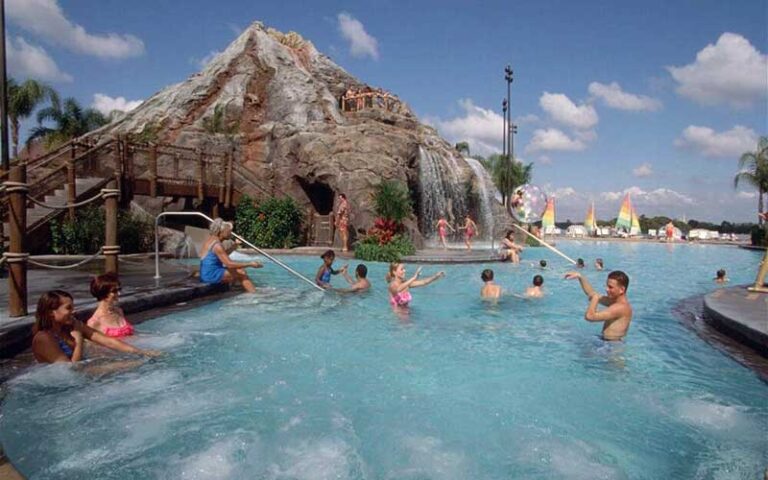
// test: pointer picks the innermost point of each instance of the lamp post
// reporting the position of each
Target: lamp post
(513, 132)
(504, 129)
(509, 77)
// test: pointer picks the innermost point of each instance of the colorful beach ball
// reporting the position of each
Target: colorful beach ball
(527, 203)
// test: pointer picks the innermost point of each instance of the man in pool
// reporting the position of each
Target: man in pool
(535, 291)
(617, 317)
(489, 289)
(359, 284)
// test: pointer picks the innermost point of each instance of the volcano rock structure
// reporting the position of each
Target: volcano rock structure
(284, 99)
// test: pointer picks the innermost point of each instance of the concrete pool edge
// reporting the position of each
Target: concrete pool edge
(740, 314)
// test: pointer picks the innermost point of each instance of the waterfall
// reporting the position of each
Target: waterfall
(487, 193)
(440, 189)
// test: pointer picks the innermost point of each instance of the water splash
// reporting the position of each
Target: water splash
(441, 189)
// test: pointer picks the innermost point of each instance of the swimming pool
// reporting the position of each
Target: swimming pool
(296, 384)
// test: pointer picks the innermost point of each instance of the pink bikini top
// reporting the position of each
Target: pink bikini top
(400, 299)
(124, 331)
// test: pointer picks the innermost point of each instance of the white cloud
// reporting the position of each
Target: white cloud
(544, 160)
(747, 195)
(729, 144)
(552, 139)
(732, 71)
(30, 61)
(644, 170)
(564, 111)
(106, 104)
(480, 127)
(361, 44)
(613, 96)
(46, 19)
(660, 197)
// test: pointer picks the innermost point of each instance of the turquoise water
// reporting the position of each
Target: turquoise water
(296, 384)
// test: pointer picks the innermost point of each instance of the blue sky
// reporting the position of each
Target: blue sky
(656, 98)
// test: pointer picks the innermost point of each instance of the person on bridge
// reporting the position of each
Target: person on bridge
(215, 264)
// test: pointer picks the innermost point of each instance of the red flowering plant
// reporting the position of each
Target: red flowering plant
(384, 229)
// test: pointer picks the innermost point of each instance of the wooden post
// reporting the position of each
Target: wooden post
(215, 210)
(17, 257)
(228, 179)
(175, 166)
(153, 171)
(71, 185)
(110, 249)
(200, 176)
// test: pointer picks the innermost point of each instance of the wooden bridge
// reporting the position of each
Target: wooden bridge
(44, 188)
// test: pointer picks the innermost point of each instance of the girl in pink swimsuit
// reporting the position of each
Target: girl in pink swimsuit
(399, 294)
(442, 230)
(108, 317)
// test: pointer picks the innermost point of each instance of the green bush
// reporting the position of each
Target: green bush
(135, 233)
(274, 223)
(370, 250)
(391, 201)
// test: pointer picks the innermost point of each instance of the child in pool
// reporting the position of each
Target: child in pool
(399, 293)
(490, 289)
(323, 276)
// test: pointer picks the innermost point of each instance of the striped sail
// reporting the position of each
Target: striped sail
(548, 219)
(591, 223)
(635, 228)
(624, 220)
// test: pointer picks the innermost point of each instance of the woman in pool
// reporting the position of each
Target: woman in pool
(59, 337)
(470, 230)
(442, 230)
(399, 294)
(215, 264)
(323, 276)
(108, 318)
(510, 251)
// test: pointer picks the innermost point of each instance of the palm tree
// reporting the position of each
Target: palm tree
(22, 101)
(70, 120)
(753, 169)
(508, 174)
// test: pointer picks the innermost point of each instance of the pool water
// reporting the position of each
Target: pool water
(292, 383)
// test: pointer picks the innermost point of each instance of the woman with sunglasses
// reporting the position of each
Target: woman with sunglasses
(108, 317)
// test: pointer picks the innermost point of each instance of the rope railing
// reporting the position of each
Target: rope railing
(65, 267)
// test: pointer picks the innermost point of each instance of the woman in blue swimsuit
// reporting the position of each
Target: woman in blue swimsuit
(215, 264)
(60, 337)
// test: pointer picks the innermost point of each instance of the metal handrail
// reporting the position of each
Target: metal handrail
(262, 252)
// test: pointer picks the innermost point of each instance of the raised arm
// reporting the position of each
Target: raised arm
(408, 283)
(228, 263)
(427, 281)
(585, 285)
(612, 312)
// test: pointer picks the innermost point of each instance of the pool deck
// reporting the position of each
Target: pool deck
(741, 314)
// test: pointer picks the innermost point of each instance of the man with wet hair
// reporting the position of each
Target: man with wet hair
(359, 284)
(490, 289)
(535, 291)
(617, 316)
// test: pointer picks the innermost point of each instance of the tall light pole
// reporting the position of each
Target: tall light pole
(513, 132)
(4, 160)
(504, 129)
(508, 76)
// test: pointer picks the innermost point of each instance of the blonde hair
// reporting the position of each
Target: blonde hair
(391, 273)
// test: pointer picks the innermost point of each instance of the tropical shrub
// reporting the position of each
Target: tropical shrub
(85, 234)
(370, 249)
(391, 201)
(274, 223)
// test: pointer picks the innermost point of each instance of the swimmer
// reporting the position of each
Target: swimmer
(60, 337)
(579, 263)
(535, 291)
(359, 284)
(442, 230)
(510, 250)
(215, 264)
(543, 264)
(720, 276)
(399, 294)
(618, 316)
(323, 276)
(490, 289)
(108, 318)
(599, 264)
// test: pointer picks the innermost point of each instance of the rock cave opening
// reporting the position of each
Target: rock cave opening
(319, 194)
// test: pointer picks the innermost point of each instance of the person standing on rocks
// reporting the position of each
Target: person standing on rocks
(342, 222)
